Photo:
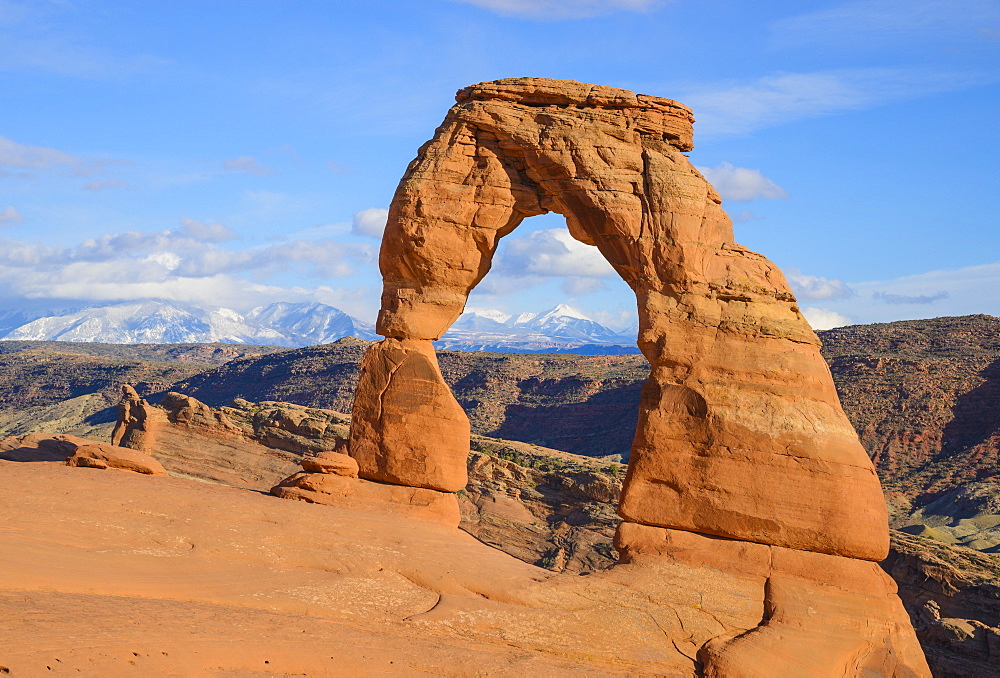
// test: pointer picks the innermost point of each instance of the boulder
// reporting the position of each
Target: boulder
(102, 455)
(333, 463)
(40, 447)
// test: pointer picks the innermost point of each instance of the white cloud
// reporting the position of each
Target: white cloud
(173, 265)
(23, 156)
(817, 288)
(825, 319)
(739, 108)
(248, 164)
(963, 291)
(876, 23)
(890, 298)
(370, 222)
(562, 9)
(618, 320)
(206, 232)
(553, 252)
(742, 183)
(9, 215)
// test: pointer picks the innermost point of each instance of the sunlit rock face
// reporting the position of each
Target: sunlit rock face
(740, 436)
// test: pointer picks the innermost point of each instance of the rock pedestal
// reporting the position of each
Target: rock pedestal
(741, 434)
(331, 478)
(407, 427)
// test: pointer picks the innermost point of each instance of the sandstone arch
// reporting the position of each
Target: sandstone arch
(740, 434)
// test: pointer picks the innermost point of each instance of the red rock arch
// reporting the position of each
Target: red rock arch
(741, 434)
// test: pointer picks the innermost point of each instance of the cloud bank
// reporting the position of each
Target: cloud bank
(742, 183)
(186, 264)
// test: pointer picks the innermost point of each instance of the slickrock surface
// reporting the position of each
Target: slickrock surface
(167, 575)
(740, 431)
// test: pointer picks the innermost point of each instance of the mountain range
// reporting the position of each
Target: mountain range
(560, 329)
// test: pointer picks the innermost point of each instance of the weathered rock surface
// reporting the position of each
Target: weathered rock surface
(251, 445)
(740, 431)
(953, 596)
(740, 434)
(40, 447)
(102, 455)
(336, 463)
(407, 427)
(176, 576)
(355, 493)
(75, 451)
(824, 615)
(331, 478)
(556, 510)
(137, 423)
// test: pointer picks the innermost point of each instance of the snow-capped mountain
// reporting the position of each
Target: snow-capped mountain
(162, 322)
(307, 324)
(559, 329)
(565, 322)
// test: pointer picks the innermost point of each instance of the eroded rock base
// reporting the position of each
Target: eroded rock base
(356, 493)
(821, 615)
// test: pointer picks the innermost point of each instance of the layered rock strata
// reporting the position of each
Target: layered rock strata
(740, 436)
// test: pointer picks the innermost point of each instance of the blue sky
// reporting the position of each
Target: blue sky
(242, 152)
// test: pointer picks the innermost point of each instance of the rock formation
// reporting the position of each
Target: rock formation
(137, 423)
(75, 451)
(741, 446)
(102, 455)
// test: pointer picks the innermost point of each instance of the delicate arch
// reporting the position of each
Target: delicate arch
(740, 432)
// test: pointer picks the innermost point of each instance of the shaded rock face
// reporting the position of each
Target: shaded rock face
(740, 432)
